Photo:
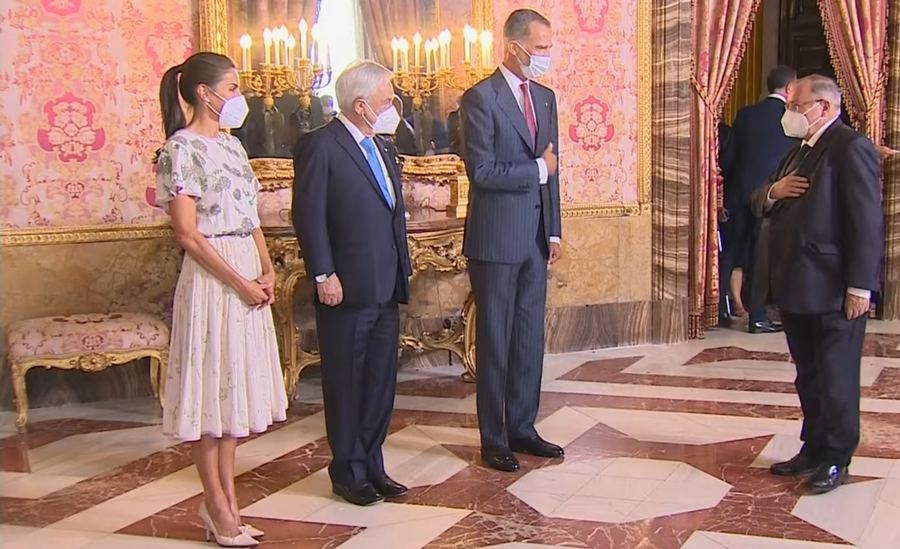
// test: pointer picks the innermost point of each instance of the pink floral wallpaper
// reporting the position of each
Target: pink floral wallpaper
(80, 119)
(595, 76)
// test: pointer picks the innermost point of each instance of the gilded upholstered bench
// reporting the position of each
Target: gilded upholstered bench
(90, 343)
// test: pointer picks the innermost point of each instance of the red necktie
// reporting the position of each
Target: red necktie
(529, 113)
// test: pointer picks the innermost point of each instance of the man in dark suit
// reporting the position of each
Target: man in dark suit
(756, 146)
(510, 133)
(821, 248)
(349, 216)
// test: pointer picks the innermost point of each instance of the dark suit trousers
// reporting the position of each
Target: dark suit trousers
(827, 351)
(510, 301)
(358, 347)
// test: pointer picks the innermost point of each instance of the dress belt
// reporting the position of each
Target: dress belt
(239, 234)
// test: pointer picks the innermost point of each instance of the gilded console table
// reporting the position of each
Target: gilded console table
(435, 243)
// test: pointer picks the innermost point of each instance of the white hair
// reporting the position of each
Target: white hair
(359, 81)
(824, 88)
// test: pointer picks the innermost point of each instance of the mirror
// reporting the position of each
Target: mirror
(289, 53)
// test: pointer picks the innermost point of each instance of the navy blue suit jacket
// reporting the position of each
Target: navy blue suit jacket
(507, 203)
(754, 150)
(342, 221)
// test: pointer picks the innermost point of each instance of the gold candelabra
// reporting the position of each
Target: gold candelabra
(419, 80)
(282, 70)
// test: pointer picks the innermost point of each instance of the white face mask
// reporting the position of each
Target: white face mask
(795, 123)
(385, 123)
(234, 111)
(538, 65)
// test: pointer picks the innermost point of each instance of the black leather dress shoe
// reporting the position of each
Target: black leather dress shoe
(389, 488)
(766, 327)
(537, 447)
(362, 493)
(798, 466)
(500, 459)
(827, 478)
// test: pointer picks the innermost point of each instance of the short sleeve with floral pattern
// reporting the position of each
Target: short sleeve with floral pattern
(215, 171)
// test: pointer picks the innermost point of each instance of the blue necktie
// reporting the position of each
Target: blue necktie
(372, 156)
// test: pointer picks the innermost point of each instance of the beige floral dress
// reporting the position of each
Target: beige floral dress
(224, 374)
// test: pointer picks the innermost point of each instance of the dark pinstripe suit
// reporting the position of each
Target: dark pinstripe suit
(511, 215)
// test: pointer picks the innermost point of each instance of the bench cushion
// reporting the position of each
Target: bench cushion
(67, 336)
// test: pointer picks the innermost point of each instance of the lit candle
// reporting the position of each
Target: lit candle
(395, 47)
(246, 62)
(417, 42)
(290, 44)
(404, 49)
(282, 37)
(428, 56)
(487, 41)
(276, 46)
(445, 48)
(327, 66)
(267, 42)
(304, 44)
(314, 35)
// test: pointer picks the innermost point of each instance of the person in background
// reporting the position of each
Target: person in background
(224, 380)
(752, 154)
(328, 111)
(350, 220)
(821, 248)
(512, 235)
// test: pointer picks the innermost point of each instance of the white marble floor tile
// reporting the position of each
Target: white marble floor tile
(717, 540)
(783, 447)
(126, 509)
(857, 503)
(452, 436)
(48, 538)
(688, 428)
(119, 541)
(32, 485)
(410, 534)
(565, 426)
(93, 454)
(756, 370)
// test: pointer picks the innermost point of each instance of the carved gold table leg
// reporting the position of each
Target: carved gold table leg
(18, 372)
(159, 370)
(154, 376)
(468, 320)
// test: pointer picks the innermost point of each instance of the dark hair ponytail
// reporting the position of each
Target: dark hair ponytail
(182, 80)
(170, 103)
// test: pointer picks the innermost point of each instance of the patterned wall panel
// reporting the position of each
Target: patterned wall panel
(80, 119)
(595, 75)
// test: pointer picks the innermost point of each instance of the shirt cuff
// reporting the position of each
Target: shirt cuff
(769, 200)
(542, 171)
(321, 278)
(554, 239)
(859, 292)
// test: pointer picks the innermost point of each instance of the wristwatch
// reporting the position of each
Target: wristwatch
(321, 278)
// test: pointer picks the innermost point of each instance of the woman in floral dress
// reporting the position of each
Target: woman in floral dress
(224, 379)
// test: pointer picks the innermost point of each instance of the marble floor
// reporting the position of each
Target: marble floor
(666, 448)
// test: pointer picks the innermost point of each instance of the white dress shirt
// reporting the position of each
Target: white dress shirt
(515, 85)
(811, 143)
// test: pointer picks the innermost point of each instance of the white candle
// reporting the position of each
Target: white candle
(445, 48)
(304, 44)
(314, 34)
(404, 49)
(417, 42)
(428, 57)
(395, 47)
(267, 42)
(290, 45)
(246, 62)
(282, 37)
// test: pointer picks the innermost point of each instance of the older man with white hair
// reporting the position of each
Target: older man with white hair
(820, 260)
(349, 217)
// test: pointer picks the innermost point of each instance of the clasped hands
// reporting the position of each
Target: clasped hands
(259, 293)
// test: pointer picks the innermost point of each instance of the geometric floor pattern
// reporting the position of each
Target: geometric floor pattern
(667, 447)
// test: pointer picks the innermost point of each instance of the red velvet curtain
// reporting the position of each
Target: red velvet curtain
(383, 20)
(721, 31)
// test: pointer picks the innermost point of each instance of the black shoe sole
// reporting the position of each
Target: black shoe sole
(801, 473)
(357, 503)
(512, 469)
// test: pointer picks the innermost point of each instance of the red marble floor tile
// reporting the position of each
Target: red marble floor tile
(444, 387)
(88, 493)
(600, 370)
(882, 345)
(14, 449)
(722, 354)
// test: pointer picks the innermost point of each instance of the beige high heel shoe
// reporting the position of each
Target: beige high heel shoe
(243, 539)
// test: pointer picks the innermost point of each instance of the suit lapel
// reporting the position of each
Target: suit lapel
(346, 141)
(816, 153)
(542, 115)
(510, 107)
